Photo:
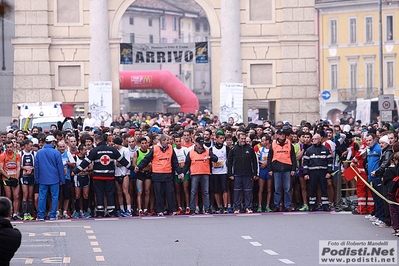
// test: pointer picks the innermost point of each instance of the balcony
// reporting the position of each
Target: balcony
(351, 94)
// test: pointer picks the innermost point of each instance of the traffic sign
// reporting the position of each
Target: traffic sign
(386, 102)
(386, 116)
(325, 95)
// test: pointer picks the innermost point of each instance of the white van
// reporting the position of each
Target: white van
(45, 114)
(46, 122)
(367, 110)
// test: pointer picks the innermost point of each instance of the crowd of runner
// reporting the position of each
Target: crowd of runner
(193, 163)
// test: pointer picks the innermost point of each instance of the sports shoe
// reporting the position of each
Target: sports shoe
(249, 211)
(86, 215)
(180, 211)
(225, 211)
(16, 217)
(75, 215)
(65, 215)
(383, 225)
(207, 212)
(197, 210)
(126, 214)
(40, 219)
(141, 213)
(268, 209)
(397, 232)
(304, 208)
(230, 209)
(237, 212)
(259, 209)
(187, 210)
(368, 216)
(174, 213)
(53, 219)
(160, 214)
(378, 222)
(28, 217)
(373, 219)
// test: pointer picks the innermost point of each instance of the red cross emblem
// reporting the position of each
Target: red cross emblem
(105, 160)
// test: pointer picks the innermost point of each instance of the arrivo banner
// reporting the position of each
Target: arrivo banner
(164, 53)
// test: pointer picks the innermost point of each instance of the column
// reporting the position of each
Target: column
(231, 69)
(100, 55)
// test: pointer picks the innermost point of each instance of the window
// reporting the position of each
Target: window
(189, 26)
(389, 25)
(131, 20)
(189, 37)
(353, 76)
(197, 26)
(151, 38)
(369, 29)
(150, 22)
(132, 38)
(162, 23)
(390, 74)
(174, 23)
(369, 75)
(333, 32)
(261, 74)
(206, 28)
(164, 40)
(182, 37)
(261, 10)
(334, 77)
(352, 31)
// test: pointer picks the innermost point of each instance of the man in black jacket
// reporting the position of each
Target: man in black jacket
(317, 167)
(242, 166)
(103, 158)
(10, 238)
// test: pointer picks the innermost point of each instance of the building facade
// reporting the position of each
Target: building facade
(277, 52)
(350, 53)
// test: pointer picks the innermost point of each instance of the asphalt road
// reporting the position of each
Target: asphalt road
(255, 239)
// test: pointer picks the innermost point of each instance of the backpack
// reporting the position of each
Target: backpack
(393, 188)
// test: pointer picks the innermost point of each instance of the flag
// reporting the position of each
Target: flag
(350, 173)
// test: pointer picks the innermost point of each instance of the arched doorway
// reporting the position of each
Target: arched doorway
(201, 85)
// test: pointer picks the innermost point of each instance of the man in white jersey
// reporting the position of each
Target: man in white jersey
(181, 153)
(122, 180)
(219, 172)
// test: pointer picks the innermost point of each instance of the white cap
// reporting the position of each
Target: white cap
(385, 139)
(34, 141)
(50, 138)
(347, 128)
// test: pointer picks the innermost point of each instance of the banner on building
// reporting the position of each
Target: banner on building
(231, 102)
(164, 53)
(100, 102)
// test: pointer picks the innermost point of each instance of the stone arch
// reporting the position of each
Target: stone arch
(214, 23)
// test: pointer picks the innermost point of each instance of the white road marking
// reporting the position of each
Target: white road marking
(246, 237)
(94, 243)
(286, 261)
(66, 260)
(87, 227)
(57, 221)
(62, 233)
(28, 261)
(256, 244)
(295, 213)
(92, 237)
(100, 258)
(107, 219)
(270, 252)
(201, 216)
(97, 250)
(32, 234)
(341, 212)
(153, 218)
(90, 231)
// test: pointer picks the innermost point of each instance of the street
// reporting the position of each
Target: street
(255, 239)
